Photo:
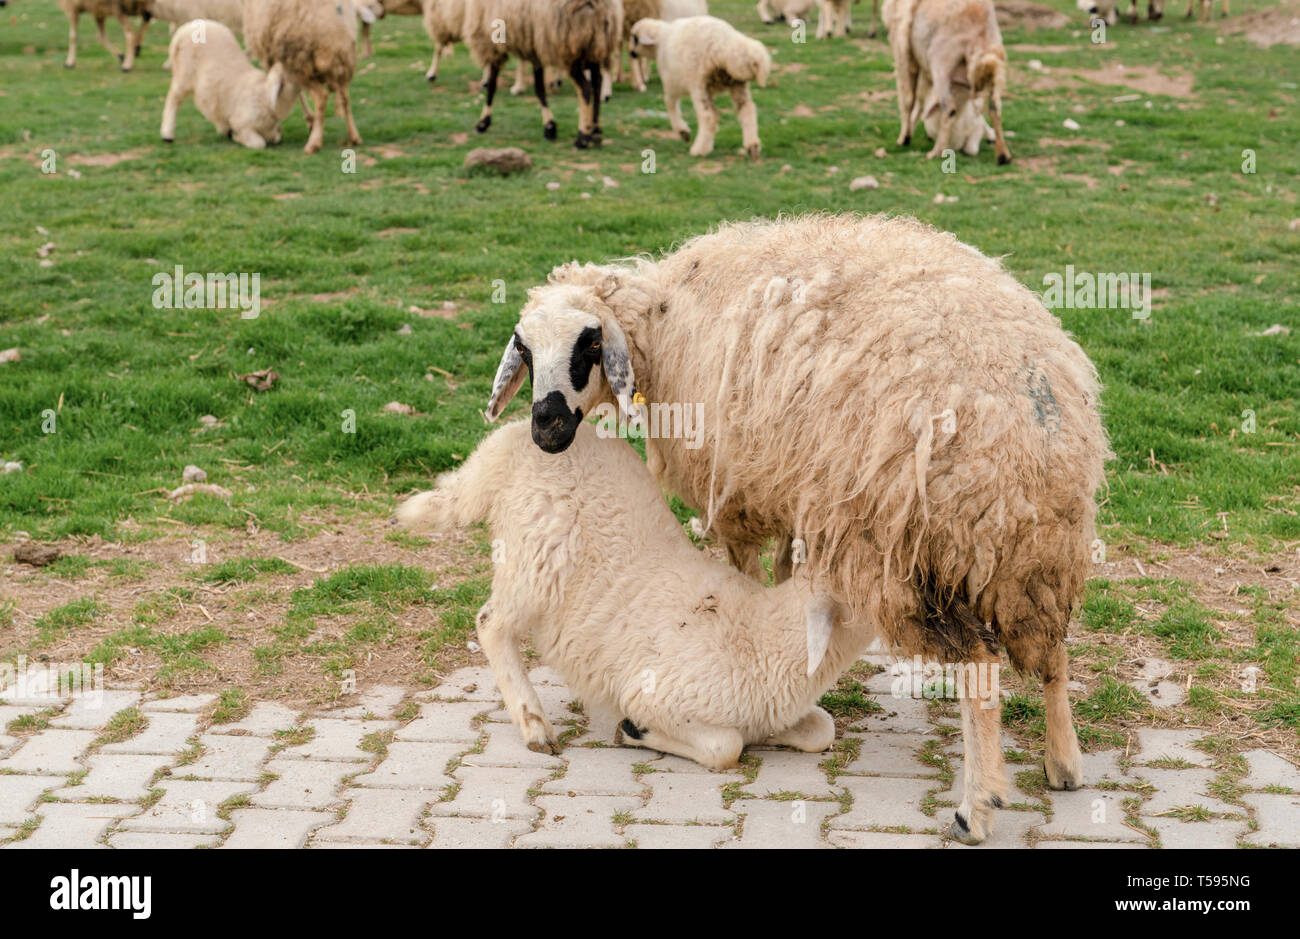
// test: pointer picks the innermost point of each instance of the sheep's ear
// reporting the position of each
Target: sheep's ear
(510, 375)
(821, 621)
(618, 367)
(367, 15)
(645, 39)
(275, 83)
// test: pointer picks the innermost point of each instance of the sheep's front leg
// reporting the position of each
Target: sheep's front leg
(748, 114)
(764, 13)
(607, 81)
(1062, 761)
(905, 72)
(981, 728)
(104, 40)
(586, 98)
(597, 84)
(949, 105)
(432, 74)
(320, 97)
(367, 50)
(132, 48)
(999, 139)
(813, 733)
(707, 117)
(249, 138)
(345, 105)
(490, 87)
(549, 129)
(715, 748)
(673, 105)
(501, 646)
(145, 19)
(173, 103)
(875, 19)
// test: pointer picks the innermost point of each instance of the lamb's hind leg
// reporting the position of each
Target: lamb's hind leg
(501, 646)
(813, 733)
(715, 748)
(1062, 762)
(981, 726)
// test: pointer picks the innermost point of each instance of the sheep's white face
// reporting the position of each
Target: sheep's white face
(573, 361)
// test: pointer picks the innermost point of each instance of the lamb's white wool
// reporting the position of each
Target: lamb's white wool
(957, 46)
(702, 56)
(241, 101)
(636, 10)
(969, 128)
(372, 11)
(99, 11)
(1108, 10)
(316, 43)
(889, 407)
(698, 658)
(578, 37)
(227, 12)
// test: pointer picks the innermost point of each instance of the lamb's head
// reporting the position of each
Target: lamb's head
(645, 38)
(281, 98)
(569, 343)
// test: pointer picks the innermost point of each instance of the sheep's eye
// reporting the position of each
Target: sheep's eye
(595, 348)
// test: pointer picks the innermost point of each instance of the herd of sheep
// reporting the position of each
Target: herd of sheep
(949, 61)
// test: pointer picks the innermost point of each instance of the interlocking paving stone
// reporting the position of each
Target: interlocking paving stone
(303, 784)
(9, 713)
(601, 771)
(379, 815)
(337, 739)
(262, 720)
(685, 797)
(189, 703)
(578, 822)
(555, 704)
(1156, 744)
(1010, 828)
(445, 722)
(656, 837)
(274, 828)
(123, 776)
(188, 807)
(92, 711)
(492, 792)
(1089, 813)
(475, 832)
(900, 716)
(159, 840)
(1278, 817)
(226, 757)
(412, 766)
(506, 748)
(379, 701)
(1102, 767)
(50, 751)
(74, 825)
(359, 846)
(771, 824)
(667, 763)
(886, 802)
(1219, 833)
(895, 754)
(1090, 845)
(168, 732)
(881, 839)
(786, 771)
(472, 684)
(1269, 769)
(18, 793)
(1179, 787)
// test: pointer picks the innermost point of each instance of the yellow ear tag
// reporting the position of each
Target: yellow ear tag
(638, 398)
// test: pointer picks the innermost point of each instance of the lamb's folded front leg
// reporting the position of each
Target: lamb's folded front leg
(716, 748)
(501, 646)
(813, 733)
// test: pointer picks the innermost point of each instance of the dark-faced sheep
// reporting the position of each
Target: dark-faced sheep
(885, 403)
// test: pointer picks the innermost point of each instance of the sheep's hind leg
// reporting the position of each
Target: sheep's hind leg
(984, 785)
(490, 87)
(173, 103)
(674, 108)
(1062, 762)
(345, 105)
(549, 129)
(813, 733)
(748, 115)
(586, 93)
(131, 49)
(71, 60)
(320, 97)
(501, 646)
(597, 135)
(715, 748)
(104, 40)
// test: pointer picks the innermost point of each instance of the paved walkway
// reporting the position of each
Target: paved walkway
(457, 775)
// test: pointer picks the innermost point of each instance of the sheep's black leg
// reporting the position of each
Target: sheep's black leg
(549, 130)
(596, 134)
(485, 119)
(585, 94)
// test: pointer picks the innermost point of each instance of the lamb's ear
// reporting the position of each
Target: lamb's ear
(275, 82)
(617, 363)
(367, 15)
(821, 621)
(510, 375)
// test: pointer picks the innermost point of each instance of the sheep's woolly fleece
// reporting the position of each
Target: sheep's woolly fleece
(887, 394)
(545, 32)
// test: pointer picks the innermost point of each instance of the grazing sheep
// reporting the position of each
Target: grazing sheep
(889, 405)
(444, 21)
(696, 657)
(788, 10)
(969, 128)
(958, 46)
(667, 10)
(1108, 10)
(576, 36)
(228, 12)
(100, 10)
(1207, 9)
(243, 102)
(702, 56)
(834, 17)
(316, 43)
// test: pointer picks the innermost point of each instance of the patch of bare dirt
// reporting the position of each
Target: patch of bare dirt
(1279, 24)
(103, 159)
(1029, 15)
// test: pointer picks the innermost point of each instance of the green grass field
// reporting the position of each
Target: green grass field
(103, 408)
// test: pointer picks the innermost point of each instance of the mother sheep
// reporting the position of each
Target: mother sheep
(888, 404)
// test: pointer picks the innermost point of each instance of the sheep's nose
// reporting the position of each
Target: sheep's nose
(551, 412)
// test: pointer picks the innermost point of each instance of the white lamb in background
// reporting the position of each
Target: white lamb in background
(243, 102)
(699, 659)
(227, 12)
(702, 56)
(666, 10)
(969, 127)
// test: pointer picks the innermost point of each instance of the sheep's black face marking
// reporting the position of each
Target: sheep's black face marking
(554, 425)
(584, 357)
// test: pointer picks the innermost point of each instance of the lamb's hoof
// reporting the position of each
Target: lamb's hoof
(137, 52)
(549, 746)
(959, 831)
(1068, 778)
(69, 64)
(550, 131)
(752, 151)
(685, 135)
(431, 78)
(597, 136)
(169, 140)
(583, 141)
(905, 140)
(629, 730)
(1004, 159)
(872, 34)
(483, 124)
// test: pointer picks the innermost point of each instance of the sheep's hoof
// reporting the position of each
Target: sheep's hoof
(959, 831)
(583, 141)
(169, 140)
(483, 124)
(597, 136)
(905, 140)
(120, 57)
(872, 34)
(137, 52)
(627, 729)
(550, 131)
(685, 135)
(1062, 777)
(752, 151)
(431, 77)
(69, 64)
(548, 746)
(1004, 159)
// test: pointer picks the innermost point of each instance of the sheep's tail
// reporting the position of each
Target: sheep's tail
(989, 75)
(465, 495)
